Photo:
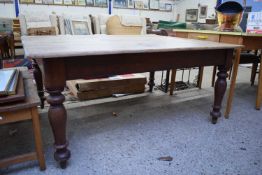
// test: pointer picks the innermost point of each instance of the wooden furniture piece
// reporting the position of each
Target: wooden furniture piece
(72, 57)
(250, 42)
(7, 45)
(21, 111)
(245, 58)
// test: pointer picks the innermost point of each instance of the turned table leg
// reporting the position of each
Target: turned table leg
(220, 88)
(151, 82)
(57, 118)
(39, 82)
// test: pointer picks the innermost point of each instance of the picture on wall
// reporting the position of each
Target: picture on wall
(130, 3)
(120, 3)
(6, 1)
(26, 1)
(154, 4)
(58, 1)
(191, 15)
(203, 12)
(100, 3)
(80, 2)
(68, 2)
(89, 2)
(48, 2)
(162, 6)
(146, 4)
(139, 4)
(168, 7)
(39, 1)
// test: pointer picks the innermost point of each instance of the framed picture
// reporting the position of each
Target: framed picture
(168, 7)
(146, 4)
(154, 4)
(27, 1)
(48, 2)
(120, 3)
(90, 2)
(130, 3)
(80, 2)
(139, 4)
(58, 1)
(68, 2)
(203, 12)
(38, 1)
(6, 1)
(100, 3)
(162, 6)
(191, 15)
(80, 28)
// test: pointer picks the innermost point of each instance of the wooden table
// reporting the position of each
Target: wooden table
(21, 111)
(250, 42)
(72, 57)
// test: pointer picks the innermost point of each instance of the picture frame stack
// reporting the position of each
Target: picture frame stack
(155, 5)
(6, 1)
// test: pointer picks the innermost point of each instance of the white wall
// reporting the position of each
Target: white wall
(7, 10)
(193, 4)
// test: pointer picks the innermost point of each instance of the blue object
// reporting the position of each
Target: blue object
(256, 5)
(218, 3)
(110, 7)
(16, 8)
(230, 7)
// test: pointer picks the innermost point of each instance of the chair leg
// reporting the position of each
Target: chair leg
(233, 83)
(214, 76)
(253, 73)
(38, 139)
(173, 81)
(167, 80)
(200, 77)
(230, 72)
(259, 88)
(151, 82)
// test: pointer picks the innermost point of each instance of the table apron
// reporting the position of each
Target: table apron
(58, 70)
(100, 66)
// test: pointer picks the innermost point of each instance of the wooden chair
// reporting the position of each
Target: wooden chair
(21, 111)
(245, 58)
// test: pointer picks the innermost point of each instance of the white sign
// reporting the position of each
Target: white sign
(254, 23)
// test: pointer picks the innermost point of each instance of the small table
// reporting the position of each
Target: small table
(67, 57)
(250, 42)
(21, 111)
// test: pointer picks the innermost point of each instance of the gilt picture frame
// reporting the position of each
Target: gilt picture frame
(191, 15)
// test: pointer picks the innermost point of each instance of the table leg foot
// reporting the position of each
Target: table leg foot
(220, 89)
(63, 164)
(57, 118)
(39, 83)
(151, 82)
(61, 156)
(214, 120)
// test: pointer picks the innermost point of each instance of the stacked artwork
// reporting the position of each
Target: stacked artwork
(163, 5)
